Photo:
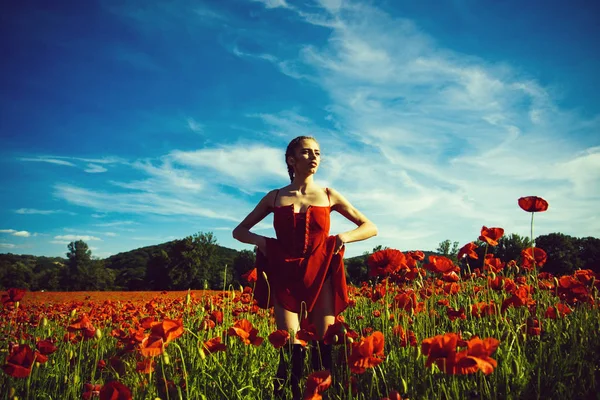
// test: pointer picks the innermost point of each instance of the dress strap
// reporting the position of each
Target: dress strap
(328, 198)
(275, 199)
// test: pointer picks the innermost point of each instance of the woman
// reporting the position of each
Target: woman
(301, 273)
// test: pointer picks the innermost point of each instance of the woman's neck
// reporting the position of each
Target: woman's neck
(302, 184)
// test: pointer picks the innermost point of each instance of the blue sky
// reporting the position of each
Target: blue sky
(128, 124)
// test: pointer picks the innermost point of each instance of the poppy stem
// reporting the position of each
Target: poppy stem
(185, 375)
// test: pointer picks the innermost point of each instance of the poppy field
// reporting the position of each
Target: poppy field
(422, 328)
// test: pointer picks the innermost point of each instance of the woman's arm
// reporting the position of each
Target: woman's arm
(242, 231)
(364, 229)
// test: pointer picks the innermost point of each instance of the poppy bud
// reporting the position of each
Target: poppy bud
(202, 355)
(11, 392)
(350, 340)
(188, 298)
(16, 304)
(165, 358)
(44, 322)
(73, 312)
(335, 338)
(98, 333)
(76, 379)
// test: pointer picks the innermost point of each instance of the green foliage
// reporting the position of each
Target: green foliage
(448, 250)
(562, 251)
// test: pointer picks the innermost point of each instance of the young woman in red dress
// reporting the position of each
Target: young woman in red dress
(301, 272)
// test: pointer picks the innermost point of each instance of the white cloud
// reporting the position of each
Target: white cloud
(42, 212)
(7, 246)
(251, 164)
(273, 3)
(22, 234)
(71, 238)
(51, 160)
(61, 242)
(94, 169)
(14, 232)
(111, 234)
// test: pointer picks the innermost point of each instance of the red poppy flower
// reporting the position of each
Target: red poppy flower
(317, 383)
(440, 265)
(45, 347)
(19, 361)
(90, 390)
(168, 330)
(493, 264)
(477, 356)
(468, 250)
(417, 255)
(491, 235)
(147, 322)
(408, 302)
(146, 366)
(279, 338)
(406, 337)
(441, 349)
(307, 332)
(559, 310)
(13, 295)
(394, 395)
(115, 391)
(246, 332)
(367, 353)
(385, 262)
(213, 345)
(483, 308)
(454, 314)
(151, 346)
(533, 255)
(251, 276)
(337, 331)
(217, 316)
(533, 204)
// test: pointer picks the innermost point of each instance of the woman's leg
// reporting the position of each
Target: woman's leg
(290, 322)
(322, 315)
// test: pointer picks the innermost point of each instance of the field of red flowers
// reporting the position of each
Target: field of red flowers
(422, 329)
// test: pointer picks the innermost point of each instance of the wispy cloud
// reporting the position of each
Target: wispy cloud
(194, 125)
(94, 169)
(48, 160)
(117, 223)
(7, 246)
(71, 238)
(42, 212)
(436, 143)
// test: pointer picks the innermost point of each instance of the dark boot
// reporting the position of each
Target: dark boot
(298, 355)
(281, 377)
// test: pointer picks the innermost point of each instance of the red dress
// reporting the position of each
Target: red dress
(299, 261)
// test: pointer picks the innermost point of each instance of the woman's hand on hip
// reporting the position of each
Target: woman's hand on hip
(339, 244)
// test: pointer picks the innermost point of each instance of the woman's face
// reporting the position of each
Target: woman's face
(307, 157)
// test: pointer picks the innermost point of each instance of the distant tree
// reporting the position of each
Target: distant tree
(194, 263)
(510, 247)
(357, 270)
(562, 252)
(448, 249)
(101, 278)
(589, 253)
(157, 272)
(17, 275)
(47, 273)
(78, 272)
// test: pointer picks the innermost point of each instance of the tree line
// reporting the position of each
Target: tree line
(198, 262)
